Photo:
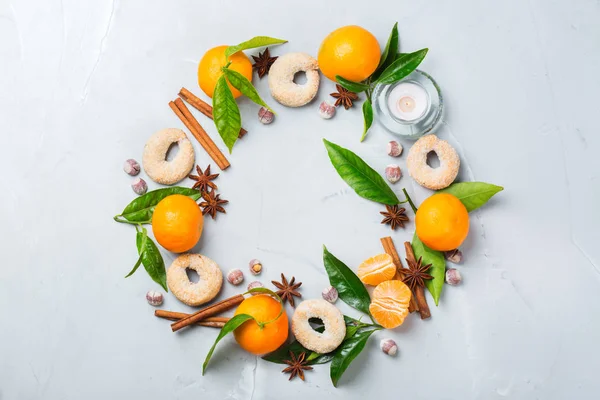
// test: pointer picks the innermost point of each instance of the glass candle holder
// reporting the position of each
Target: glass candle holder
(411, 107)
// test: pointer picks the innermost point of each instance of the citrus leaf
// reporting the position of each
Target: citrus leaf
(472, 194)
(368, 116)
(350, 289)
(226, 113)
(437, 270)
(355, 87)
(241, 83)
(152, 261)
(365, 181)
(402, 67)
(257, 41)
(140, 210)
(389, 52)
(144, 234)
(229, 327)
(347, 352)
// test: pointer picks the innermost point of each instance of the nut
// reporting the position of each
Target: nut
(389, 347)
(326, 110)
(235, 276)
(393, 173)
(330, 294)
(139, 186)
(255, 266)
(454, 256)
(254, 285)
(394, 149)
(131, 167)
(154, 298)
(453, 277)
(265, 116)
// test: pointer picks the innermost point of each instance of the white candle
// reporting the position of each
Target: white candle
(408, 101)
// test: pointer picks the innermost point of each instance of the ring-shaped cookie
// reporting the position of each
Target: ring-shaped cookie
(333, 320)
(194, 293)
(433, 178)
(281, 79)
(155, 156)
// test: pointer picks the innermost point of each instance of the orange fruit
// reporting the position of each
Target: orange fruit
(442, 222)
(351, 52)
(209, 69)
(250, 336)
(389, 303)
(177, 223)
(377, 269)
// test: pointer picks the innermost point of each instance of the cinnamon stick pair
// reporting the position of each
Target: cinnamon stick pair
(214, 322)
(209, 311)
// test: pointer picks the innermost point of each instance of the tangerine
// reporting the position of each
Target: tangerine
(177, 223)
(389, 303)
(442, 222)
(209, 69)
(262, 340)
(377, 269)
(351, 52)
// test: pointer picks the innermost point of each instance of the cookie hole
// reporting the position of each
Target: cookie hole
(433, 160)
(172, 152)
(192, 275)
(317, 324)
(300, 78)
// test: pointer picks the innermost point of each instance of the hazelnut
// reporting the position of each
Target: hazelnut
(235, 276)
(131, 167)
(389, 347)
(453, 277)
(326, 110)
(330, 294)
(265, 116)
(154, 298)
(255, 267)
(254, 285)
(393, 173)
(454, 256)
(394, 149)
(139, 186)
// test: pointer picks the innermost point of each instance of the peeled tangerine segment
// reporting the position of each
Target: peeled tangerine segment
(377, 269)
(389, 304)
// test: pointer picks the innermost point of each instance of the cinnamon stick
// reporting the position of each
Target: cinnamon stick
(209, 311)
(202, 106)
(199, 133)
(215, 322)
(420, 290)
(389, 248)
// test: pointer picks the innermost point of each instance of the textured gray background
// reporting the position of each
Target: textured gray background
(82, 86)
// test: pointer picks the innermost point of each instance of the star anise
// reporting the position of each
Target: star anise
(263, 62)
(344, 97)
(395, 216)
(203, 179)
(287, 290)
(297, 366)
(212, 204)
(416, 273)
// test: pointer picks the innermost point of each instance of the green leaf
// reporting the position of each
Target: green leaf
(402, 67)
(140, 210)
(229, 327)
(346, 353)
(241, 83)
(152, 261)
(258, 41)
(365, 181)
(144, 234)
(389, 52)
(368, 116)
(355, 87)
(350, 289)
(226, 113)
(472, 194)
(437, 270)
